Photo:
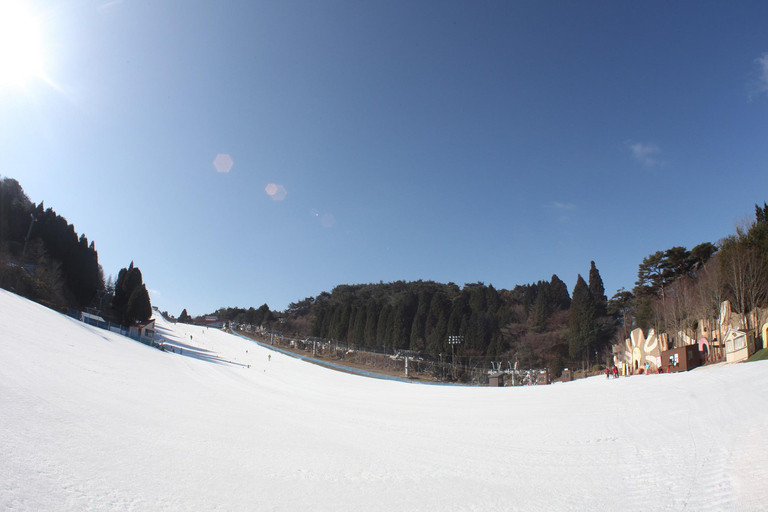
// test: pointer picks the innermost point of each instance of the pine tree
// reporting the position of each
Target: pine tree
(436, 324)
(597, 290)
(582, 327)
(418, 328)
(403, 313)
(371, 322)
(128, 279)
(358, 333)
(383, 329)
(541, 307)
(558, 291)
(139, 307)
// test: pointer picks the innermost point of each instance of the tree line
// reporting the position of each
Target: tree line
(541, 324)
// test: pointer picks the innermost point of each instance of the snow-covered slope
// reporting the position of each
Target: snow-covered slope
(90, 420)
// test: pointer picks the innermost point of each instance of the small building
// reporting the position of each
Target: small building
(91, 319)
(739, 345)
(210, 321)
(144, 330)
(681, 359)
(567, 375)
(542, 377)
(496, 380)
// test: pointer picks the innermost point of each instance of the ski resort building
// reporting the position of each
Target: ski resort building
(145, 331)
(638, 350)
(210, 321)
(681, 359)
(739, 345)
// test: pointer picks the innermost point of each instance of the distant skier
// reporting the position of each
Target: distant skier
(607, 373)
(615, 372)
(269, 357)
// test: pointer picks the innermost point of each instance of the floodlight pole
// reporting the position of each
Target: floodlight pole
(453, 341)
(26, 240)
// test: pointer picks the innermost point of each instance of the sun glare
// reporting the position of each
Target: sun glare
(21, 51)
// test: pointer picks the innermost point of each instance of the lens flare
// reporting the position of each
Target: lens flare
(223, 162)
(275, 191)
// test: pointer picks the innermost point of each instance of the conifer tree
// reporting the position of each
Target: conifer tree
(597, 290)
(128, 280)
(541, 307)
(436, 324)
(558, 291)
(358, 333)
(418, 329)
(139, 307)
(582, 327)
(382, 329)
(371, 322)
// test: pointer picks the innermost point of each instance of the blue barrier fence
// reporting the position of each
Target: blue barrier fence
(112, 327)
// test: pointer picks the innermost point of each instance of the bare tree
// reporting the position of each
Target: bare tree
(709, 294)
(745, 275)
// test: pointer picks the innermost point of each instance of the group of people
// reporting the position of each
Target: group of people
(615, 371)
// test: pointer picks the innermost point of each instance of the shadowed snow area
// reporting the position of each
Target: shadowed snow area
(90, 420)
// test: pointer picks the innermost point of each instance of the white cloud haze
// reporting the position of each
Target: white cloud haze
(645, 153)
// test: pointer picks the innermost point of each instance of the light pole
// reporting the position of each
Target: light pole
(453, 341)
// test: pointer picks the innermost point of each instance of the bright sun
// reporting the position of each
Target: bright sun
(21, 49)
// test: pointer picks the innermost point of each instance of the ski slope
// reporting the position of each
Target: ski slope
(90, 420)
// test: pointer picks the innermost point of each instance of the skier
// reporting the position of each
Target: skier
(269, 357)
(615, 372)
(607, 372)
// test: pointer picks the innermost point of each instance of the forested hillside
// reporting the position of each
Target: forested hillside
(43, 258)
(536, 323)
(41, 254)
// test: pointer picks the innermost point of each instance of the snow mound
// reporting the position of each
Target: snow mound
(90, 420)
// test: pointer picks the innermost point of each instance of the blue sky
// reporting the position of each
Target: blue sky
(500, 142)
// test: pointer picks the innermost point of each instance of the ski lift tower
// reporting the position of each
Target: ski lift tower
(453, 341)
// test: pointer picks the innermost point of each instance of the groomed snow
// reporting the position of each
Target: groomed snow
(90, 420)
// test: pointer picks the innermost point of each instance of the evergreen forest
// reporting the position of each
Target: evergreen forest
(44, 259)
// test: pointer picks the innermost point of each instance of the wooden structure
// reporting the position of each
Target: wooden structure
(681, 359)
(496, 380)
(739, 345)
